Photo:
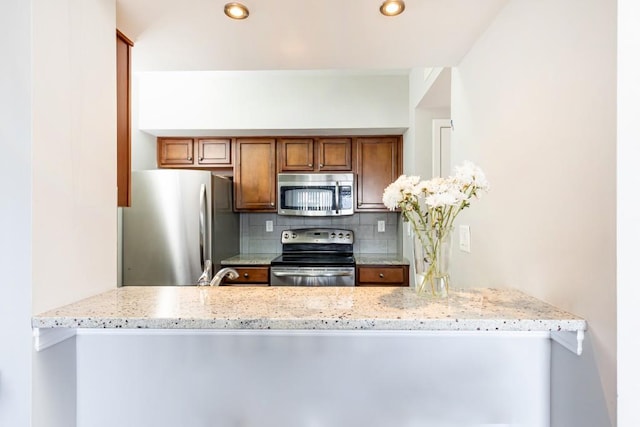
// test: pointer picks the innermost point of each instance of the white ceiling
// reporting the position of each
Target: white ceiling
(302, 34)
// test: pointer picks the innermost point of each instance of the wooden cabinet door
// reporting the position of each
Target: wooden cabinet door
(378, 164)
(296, 155)
(214, 152)
(334, 154)
(175, 152)
(254, 174)
(123, 112)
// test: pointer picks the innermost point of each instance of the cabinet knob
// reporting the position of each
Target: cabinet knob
(189, 158)
(310, 165)
(381, 275)
(245, 275)
(321, 165)
(201, 158)
(272, 204)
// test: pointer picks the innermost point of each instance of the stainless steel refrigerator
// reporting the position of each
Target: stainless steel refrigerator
(176, 221)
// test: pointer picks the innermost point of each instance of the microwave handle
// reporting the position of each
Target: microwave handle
(336, 195)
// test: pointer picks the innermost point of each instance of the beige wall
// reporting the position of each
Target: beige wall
(74, 157)
(534, 104)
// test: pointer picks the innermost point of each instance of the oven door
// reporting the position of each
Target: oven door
(313, 276)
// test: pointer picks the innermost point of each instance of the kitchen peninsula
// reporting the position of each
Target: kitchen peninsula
(296, 356)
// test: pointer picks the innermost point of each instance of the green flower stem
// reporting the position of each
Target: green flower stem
(420, 287)
(431, 239)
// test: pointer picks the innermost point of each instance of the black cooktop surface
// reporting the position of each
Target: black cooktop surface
(308, 259)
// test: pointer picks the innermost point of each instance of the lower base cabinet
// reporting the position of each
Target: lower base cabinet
(368, 275)
(382, 275)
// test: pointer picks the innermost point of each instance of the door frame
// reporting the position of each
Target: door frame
(437, 126)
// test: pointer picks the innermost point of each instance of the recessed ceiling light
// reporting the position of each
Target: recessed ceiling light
(236, 10)
(392, 7)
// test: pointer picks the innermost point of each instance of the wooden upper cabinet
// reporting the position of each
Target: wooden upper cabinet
(334, 154)
(175, 152)
(123, 114)
(194, 153)
(255, 161)
(216, 152)
(254, 174)
(378, 164)
(296, 154)
(314, 154)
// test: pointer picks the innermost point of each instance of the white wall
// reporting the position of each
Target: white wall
(54, 386)
(429, 99)
(15, 214)
(577, 398)
(143, 144)
(628, 224)
(219, 102)
(74, 150)
(534, 104)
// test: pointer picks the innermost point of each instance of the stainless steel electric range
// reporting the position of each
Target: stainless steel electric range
(315, 257)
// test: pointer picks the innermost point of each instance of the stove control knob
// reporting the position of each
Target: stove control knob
(340, 236)
(347, 236)
(285, 236)
(294, 235)
(332, 235)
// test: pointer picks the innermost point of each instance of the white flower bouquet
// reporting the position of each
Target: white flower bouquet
(431, 208)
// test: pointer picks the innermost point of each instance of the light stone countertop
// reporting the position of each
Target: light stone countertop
(308, 308)
(250, 259)
(380, 259)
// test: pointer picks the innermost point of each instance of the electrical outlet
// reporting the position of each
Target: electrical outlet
(269, 226)
(380, 226)
(465, 238)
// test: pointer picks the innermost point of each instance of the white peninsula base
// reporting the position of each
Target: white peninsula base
(286, 378)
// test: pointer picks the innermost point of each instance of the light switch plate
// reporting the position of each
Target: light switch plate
(269, 226)
(380, 226)
(465, 238)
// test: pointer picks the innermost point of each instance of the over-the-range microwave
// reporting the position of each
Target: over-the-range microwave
(315, 194)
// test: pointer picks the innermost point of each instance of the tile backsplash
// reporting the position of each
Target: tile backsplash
(255, 239)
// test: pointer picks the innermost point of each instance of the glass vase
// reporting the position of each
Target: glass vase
(431, 261)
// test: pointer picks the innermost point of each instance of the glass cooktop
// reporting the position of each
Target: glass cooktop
(315, 259)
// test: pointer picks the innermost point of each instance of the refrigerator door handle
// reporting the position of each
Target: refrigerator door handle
(203, 223)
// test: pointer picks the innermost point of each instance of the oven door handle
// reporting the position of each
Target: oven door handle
(312, 273)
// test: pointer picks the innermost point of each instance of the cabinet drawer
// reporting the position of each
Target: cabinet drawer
(383, 275)
(250, 275)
